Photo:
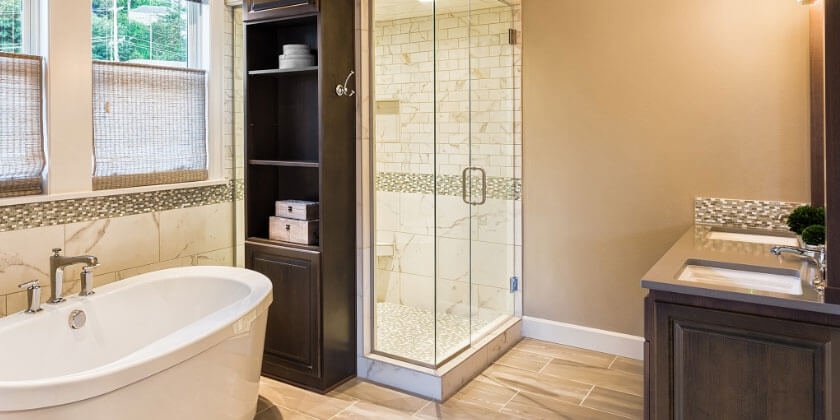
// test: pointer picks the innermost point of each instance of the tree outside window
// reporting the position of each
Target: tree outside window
(11, 26)
(145, 31)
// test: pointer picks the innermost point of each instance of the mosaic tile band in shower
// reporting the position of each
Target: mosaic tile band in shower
(50, 213)
(743, 213)
(502, 188)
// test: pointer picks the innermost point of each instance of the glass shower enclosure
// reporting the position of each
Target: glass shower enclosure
(445, 168)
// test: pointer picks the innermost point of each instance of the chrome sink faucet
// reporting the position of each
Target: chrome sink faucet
(814, 255)
(57, 265)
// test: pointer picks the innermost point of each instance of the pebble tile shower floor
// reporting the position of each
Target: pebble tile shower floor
(409, 332)
(535, 380)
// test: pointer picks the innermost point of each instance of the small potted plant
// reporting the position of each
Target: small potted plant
(809, 223)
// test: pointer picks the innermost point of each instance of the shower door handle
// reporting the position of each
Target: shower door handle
(464, 197)
(483, 186)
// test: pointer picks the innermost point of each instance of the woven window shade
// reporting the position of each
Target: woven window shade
(149, 125)
(21, 133)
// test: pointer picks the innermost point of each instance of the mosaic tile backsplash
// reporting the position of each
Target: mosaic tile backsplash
(50, 213)
(743, 213)
(502, 188)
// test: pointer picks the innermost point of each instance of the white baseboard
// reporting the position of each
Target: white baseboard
(584, 337)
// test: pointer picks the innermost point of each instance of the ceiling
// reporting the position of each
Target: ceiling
(400, 9)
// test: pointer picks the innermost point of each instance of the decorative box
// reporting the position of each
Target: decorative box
(296, 209)
(292, 230)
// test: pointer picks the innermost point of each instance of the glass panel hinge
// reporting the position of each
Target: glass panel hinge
(514, 284)
(512, 36)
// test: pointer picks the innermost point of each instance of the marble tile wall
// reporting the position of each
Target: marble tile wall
(130, 233)
(237, 62)
(126, 246)
(436, 253)
(447, 87)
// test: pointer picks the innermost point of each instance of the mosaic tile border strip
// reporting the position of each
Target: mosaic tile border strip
(502, 188)
(50, 213)
(743, 213)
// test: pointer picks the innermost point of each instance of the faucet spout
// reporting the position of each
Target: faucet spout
(57, 265)
(815, 255)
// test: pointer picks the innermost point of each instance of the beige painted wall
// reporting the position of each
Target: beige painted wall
(631, 109)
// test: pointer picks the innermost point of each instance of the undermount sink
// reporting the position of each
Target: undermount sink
(742, 277)
(754, 236)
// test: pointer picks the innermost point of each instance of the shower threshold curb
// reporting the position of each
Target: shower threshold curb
(441, 383)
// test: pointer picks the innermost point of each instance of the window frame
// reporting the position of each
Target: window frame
(31, 27)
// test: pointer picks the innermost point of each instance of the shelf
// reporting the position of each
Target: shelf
(283, 71)
(271, 242)
(286, 163)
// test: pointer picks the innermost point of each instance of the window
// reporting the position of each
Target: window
(149, 94)
(18, 26)
(22, 158)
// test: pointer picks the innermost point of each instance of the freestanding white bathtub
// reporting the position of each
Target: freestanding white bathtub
(184, 343)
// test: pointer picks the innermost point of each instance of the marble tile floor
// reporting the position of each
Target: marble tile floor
(534, 380)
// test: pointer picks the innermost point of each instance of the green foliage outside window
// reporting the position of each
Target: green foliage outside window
(162, 39)
(11, 37)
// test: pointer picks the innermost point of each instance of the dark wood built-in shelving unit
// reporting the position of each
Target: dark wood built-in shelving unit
(300, 145)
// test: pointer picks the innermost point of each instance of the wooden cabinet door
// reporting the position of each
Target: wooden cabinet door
(293, 335)
(271, 9)
(719, 365)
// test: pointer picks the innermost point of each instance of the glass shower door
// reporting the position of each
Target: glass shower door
(494, 167)
(452, 148)
(404, 254)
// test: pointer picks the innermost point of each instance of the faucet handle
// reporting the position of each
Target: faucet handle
(34, 284)
(33, 296)
(56, 252)
(87, 281)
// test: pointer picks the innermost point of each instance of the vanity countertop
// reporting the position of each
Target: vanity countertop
(695, 245)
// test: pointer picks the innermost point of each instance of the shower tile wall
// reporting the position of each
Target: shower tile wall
(473, 55)
(237, 124)
(131, 234)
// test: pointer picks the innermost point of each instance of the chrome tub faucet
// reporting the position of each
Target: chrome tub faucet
(57, 265)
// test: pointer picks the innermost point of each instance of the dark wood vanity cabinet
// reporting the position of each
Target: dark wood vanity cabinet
(270, 9)
(300, 145)
(714, 359)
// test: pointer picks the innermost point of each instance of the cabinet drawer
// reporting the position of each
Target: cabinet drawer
(268, 9)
